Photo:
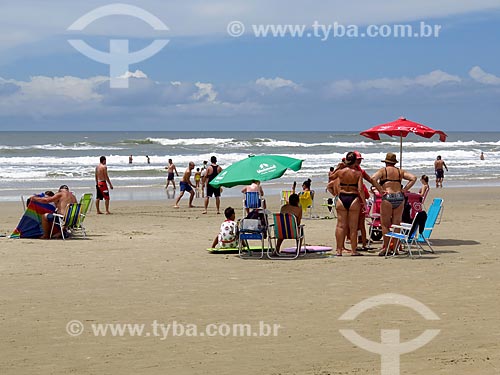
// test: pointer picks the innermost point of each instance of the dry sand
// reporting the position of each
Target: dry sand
(148, 262)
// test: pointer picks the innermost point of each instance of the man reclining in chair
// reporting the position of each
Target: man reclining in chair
(61, 199)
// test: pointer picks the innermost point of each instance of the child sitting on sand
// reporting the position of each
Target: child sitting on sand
(228, 234)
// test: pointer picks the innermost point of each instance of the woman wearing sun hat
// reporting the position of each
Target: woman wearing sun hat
(390, 178)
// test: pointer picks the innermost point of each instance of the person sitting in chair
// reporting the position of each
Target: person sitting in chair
(61, 199)
(292, 207)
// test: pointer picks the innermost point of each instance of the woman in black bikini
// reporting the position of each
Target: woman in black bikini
(351, 199)
(391, 209)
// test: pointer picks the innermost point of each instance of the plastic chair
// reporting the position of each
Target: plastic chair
(284, 227)
(86, 206)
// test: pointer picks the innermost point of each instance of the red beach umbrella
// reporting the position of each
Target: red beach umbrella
(401, 128)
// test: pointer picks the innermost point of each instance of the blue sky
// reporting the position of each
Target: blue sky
(206, 79)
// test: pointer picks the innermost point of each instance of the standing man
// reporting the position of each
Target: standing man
(186, 185)
(203, 174)
(147, 159)
(102, 180)
(212, 171)
(439, 171)
(130, 159)
(170, 173)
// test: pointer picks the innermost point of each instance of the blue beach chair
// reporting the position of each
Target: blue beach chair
(433, 217)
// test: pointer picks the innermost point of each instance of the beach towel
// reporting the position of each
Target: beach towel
(305, 199)
(30, 225)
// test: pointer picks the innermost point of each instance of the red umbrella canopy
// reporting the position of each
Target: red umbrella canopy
(400, 128)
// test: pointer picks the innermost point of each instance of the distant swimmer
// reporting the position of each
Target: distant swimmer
(130, 159)
(439, 164)
(148, 160)
(482, 156)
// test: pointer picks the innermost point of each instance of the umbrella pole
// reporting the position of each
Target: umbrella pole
(401, 150)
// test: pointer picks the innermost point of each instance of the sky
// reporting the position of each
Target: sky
(206, 79)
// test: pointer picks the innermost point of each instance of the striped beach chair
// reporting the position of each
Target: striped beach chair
(69, 220)
(285, 227)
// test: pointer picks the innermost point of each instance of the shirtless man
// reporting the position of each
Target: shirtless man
(101, 183)
(212, 171)
(171, 170)
(186, 185)
(61, 199)
(438, 169)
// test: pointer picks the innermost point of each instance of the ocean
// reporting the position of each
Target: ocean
(31, 162)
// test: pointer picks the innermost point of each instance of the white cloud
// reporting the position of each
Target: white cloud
(393, 85)
(276, 83)
(205, 91)
(137, 74)
(479, 75)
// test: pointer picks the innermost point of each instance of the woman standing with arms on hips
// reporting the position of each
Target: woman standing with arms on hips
(351, 199)
(390, 178)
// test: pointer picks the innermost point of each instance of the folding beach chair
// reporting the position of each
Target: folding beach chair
(86, 205)
(252, 229)
(284, 196)
(284, 227)
(67, 221)
(408, 234)
(252, 201)
(433, 217)
(329, 207)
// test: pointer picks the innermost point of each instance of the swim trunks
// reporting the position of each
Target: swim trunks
(170, 176)
(102, 191)
(185, 186)
(439, 173)
(395, 199)
(213, 191)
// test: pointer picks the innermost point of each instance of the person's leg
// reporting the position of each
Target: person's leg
(385, 221)
(217, 204)
(206, 204)
(341, 226)
(191, 197)
(97, 207)
(173, 184)
(279, 241)
(106, 204)
(176, 205)
(353, 219)
(46, 226)
(361, 226)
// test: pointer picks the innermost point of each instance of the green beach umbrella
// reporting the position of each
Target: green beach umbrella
(255, 167)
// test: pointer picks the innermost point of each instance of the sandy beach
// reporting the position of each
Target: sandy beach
(147, 262)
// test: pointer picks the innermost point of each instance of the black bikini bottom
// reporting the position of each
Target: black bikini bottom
(347, 199)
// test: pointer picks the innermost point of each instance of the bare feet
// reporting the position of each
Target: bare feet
(108, 213)
(204, 212)
(191, 206)
(99, 213)
(175, 206)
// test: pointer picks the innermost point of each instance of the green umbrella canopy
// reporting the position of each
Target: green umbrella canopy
(255, 167)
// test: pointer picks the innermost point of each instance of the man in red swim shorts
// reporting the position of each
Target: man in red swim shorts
(102, 180)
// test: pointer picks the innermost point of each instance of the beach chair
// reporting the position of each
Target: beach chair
(433, 217)
(252, 229)
(285, 227)
(329, 207)
(408, 234)
(373, 217)
(86, 206)
(252, 201)
(284, 196)
(67, 221)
